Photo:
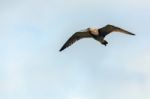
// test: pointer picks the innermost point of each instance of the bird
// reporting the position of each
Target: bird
(98, 34)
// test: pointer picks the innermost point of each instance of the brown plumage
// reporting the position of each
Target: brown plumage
(97, 34)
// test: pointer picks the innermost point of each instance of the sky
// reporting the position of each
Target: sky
(33, 31)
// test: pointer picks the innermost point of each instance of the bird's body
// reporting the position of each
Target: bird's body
(94, 31)
(97, 34)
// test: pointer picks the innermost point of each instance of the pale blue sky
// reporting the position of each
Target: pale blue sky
(32, 32)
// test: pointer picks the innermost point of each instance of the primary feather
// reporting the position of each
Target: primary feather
(110, 28)
(75, 37)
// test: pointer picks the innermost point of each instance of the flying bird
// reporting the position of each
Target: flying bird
(95, 33)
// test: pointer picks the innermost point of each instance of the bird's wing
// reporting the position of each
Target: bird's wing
(117, 29)
(110, 28)
(75, 37)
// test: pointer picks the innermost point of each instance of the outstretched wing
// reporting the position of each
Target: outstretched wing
(75, 37)
(110, 28)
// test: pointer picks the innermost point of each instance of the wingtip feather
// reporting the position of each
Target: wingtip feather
(132, 34)
(60, 49)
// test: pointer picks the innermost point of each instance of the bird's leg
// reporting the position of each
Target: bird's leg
(100, 39)
(104, 42)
